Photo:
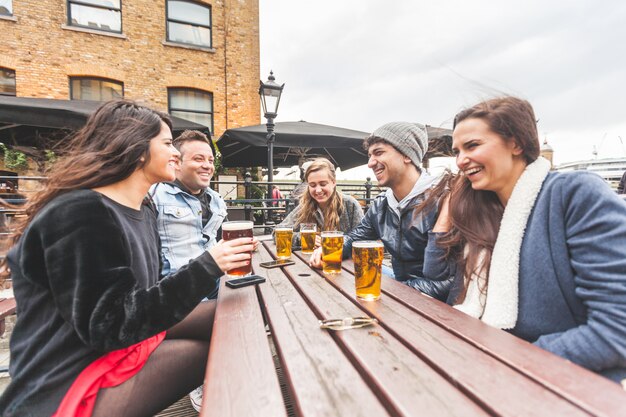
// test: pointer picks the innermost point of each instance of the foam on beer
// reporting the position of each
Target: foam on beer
(367, 244)
(242, 225)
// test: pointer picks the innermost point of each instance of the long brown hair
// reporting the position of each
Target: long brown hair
(476, 214)
(108, 149)
(308, 205)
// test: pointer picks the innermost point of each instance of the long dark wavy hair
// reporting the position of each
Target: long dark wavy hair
(334, 208)
(113, 144)
(475, 215)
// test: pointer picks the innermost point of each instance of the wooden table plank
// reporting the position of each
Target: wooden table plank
(451, 356)
(590, 392)
(322, 380)
(232, 363)
(408, 384)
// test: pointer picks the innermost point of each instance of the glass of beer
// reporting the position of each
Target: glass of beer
(235, 230)
(332, 250)
(368, 261)
(307, 237)
(283, 237)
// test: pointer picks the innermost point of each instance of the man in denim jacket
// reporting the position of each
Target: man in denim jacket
(190, 214)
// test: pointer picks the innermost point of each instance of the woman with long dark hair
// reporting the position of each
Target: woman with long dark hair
(97, 333)
(322, 203)
(540, 254)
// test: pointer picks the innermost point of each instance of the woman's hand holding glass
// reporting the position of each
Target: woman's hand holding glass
(232, 254)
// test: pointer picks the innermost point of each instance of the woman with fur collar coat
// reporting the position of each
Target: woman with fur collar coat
(538, 253)
(97, 332)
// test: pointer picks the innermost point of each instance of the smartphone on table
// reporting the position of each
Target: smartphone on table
(277, 263)
(245, 281)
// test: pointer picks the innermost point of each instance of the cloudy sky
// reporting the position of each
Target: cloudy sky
(361, 63)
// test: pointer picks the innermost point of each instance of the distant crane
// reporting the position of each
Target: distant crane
(597, 149)
(622, 142)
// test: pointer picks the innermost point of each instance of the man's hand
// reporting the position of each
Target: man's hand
(316, 258)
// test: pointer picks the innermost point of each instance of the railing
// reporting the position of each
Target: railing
(271, 211)
(265, 212)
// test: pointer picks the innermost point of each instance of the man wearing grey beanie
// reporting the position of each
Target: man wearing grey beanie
(395, 153)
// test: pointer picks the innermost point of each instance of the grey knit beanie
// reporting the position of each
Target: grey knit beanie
(410, 139)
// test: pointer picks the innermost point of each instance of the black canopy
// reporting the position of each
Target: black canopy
(20, 112)
(296, 141)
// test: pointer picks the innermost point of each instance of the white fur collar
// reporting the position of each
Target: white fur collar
(499, 307)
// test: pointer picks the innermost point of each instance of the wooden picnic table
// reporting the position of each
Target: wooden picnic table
(423, 358)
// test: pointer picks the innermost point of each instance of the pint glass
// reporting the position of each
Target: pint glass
(235, 230)
(368, 260)
(307, 237)
(332, 249)
(283, 237)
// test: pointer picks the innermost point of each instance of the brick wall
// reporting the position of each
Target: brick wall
(44, 52)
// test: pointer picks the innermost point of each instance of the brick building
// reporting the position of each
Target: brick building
(197, 59)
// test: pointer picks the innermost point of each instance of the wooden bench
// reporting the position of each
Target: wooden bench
(7, 308)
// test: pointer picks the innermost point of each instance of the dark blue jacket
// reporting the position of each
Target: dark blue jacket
(405, 238)
(572, 274)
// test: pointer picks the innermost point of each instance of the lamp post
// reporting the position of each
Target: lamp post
(270, 92)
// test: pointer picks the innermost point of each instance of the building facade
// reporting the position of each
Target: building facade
(196, 59)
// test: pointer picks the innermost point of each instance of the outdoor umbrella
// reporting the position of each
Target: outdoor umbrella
(26, 112)
(297, 141)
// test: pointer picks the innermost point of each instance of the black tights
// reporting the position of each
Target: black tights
(175, 368)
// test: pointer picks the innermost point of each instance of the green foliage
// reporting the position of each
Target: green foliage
(218, 158)
(14, 160)
(51, 157)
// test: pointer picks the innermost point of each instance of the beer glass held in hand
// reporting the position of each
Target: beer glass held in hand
(332, 250)
(283, 237)
(235, 230)
(307, 237)
(367, 256)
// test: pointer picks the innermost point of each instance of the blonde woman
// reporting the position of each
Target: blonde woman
(323, 204)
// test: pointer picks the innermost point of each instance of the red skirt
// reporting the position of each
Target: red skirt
(108, 371)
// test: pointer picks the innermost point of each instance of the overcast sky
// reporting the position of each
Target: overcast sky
(361, 63)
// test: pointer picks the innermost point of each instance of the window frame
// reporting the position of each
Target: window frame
(8, 14)
(87, 77)
(93, 6)
(14, 79)
(170, 90)
(182, 22)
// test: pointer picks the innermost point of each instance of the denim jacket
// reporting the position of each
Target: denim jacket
(179, 218)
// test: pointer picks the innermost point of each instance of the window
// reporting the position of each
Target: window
(189, 23)
(95, 14)
(96, 89)
(7, 82)
(193, 105)
(6, 8)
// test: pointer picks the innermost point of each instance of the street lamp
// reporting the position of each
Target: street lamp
(270, 92)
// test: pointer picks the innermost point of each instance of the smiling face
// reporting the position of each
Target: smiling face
(163, 157)
(487, 160)
(388, 164)
(197, 165)
(321, 186)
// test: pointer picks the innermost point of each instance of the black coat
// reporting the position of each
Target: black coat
(85, 276)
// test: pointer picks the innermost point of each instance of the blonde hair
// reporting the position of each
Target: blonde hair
(308, 205)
